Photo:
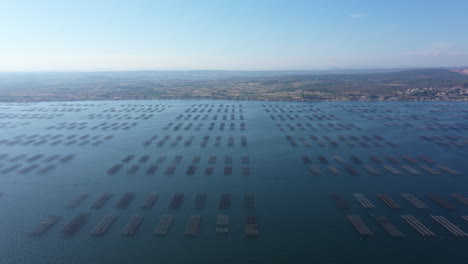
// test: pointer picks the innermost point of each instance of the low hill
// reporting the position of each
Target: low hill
(425, 74)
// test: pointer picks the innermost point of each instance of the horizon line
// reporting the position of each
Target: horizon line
(238, 70)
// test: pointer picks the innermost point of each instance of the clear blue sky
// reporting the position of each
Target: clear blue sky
(250, 35)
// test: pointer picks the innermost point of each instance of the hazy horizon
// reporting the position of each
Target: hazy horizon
(245, 35)
(364, 69)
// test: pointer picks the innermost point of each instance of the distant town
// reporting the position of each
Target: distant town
(405, 85)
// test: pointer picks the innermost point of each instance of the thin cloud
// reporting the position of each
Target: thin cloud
(357, 15)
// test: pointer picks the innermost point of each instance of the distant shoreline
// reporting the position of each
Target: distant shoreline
(236, 100)
(410, 85)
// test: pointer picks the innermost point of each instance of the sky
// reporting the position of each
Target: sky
(82, 35)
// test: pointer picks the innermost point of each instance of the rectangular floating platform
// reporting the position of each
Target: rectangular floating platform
(251, 226)
(161, 159)
(101, 201)
(177, 159)
(77, 201)
(415, 201)
(249, 201)
(196, 160)
(460, 198)
(193, 226)
(170, 170)
(390, 228)
(375, 159)
(359, 225)
(371, 170)
(114, 169)
(224, 201)
(430, 170)
(212, 160)
(177, 200)
(389, 201)
(101, 228)
(339, 159)
(323, 160)
(132, 226)
(227, 170)
(152, 169)
(128, 158)
(449, 226)
(392, 170)
(126, 199)
(333, 170)
(351, 170)
(409, 159)
(45, 225)
(191, 170)
(133, 169)
(356, 160)
(363, 201)
(393, 159)
(150, 200)
(418, 226)
(448, 170)
(441, 202)
(46, 169)
(200, 201)
(75, 224)
(426, 159)
(410, 170)
(164, 225)
(314, 169)
(209, 170)
(340, 201)
(222, 224)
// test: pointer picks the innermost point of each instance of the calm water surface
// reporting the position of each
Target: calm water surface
(298, 221)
